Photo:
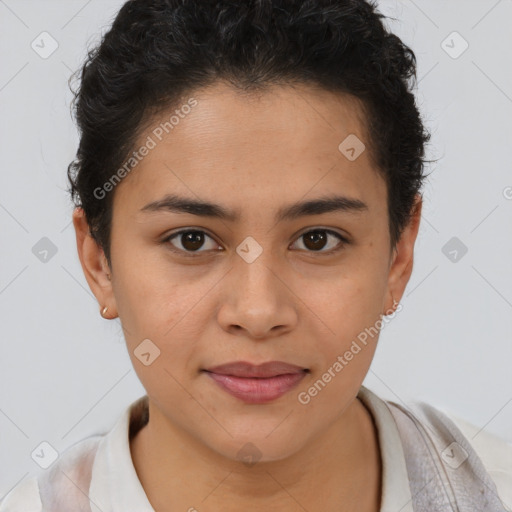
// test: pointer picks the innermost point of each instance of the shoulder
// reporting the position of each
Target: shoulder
(23, 498)
(489, 451)
(77, 467)
(494, 452)
(57, 483)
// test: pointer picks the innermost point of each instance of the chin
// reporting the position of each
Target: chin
(258, 448)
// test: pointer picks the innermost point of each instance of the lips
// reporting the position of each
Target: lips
(263, 371)
(257, 384)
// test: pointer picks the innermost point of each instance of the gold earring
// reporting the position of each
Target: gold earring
(104, 311)
(395, 303)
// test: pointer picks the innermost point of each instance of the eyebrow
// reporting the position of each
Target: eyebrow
(327, 204)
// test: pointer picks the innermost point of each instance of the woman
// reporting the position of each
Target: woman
(248, 199)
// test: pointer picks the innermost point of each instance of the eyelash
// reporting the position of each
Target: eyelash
(342, 239)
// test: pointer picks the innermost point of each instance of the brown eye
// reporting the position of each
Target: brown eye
(317, 239)
(190, 240)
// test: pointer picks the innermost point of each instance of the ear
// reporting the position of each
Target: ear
(94, 264)
(403, 256)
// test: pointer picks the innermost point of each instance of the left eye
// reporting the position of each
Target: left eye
(315, 240)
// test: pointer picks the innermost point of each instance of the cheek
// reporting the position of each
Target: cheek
(164, 308)
(161, 328)
(349, 310)
(344, 351)
(148, 294)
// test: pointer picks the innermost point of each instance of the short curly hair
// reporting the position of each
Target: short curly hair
(156, 51)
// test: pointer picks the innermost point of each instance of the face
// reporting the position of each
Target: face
(265, 282)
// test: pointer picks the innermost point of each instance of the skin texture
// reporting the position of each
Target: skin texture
(253, 154)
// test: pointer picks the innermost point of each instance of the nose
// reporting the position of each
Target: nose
(256, 301)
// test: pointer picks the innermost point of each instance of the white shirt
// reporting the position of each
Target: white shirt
(115, 486)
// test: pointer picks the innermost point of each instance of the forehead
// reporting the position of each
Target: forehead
(280, 142)
(299, 115)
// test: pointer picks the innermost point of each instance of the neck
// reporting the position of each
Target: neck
(340, 467)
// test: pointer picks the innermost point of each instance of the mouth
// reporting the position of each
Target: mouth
(257, 384)
(263, 371)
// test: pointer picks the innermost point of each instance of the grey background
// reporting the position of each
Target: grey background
(65, 372)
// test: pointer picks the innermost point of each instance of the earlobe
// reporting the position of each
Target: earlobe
(94, 265)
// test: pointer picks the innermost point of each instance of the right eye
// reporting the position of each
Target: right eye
(190, 240)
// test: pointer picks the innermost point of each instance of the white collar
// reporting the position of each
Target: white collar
(115, 485)
(396, 492)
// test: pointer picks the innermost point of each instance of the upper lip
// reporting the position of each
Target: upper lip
(265, 370)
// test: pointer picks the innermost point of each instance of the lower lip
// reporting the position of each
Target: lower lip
(257, 391)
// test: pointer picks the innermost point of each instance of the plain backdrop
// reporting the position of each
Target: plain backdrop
(65, 372)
